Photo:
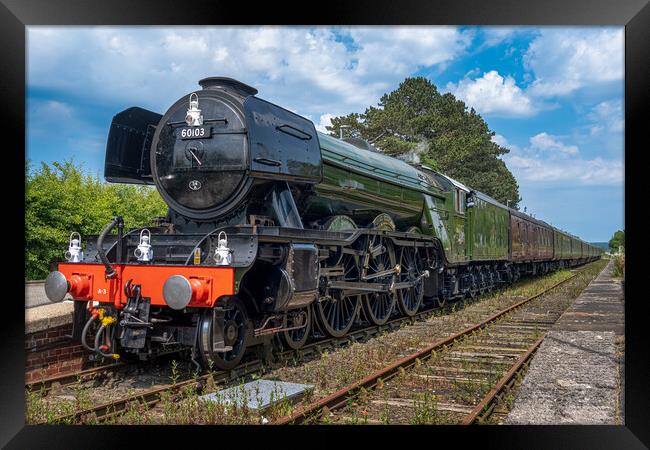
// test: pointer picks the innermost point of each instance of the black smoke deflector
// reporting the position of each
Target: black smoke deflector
(129, 145)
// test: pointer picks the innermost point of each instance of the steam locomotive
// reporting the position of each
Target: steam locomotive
(278, 233)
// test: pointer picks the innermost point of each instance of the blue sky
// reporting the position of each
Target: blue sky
(552, 95)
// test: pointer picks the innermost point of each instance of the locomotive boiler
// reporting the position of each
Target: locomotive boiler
(279, 234)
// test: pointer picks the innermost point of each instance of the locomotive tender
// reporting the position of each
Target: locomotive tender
(274, 229)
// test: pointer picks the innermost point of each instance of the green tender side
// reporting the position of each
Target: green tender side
(362, 184)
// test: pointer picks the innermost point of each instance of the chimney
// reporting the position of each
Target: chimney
(227, 84)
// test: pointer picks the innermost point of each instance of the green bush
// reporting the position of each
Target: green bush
(60, 199)
(619, 265)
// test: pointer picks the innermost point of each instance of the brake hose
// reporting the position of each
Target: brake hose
(98, 336)
(110, 271)
(85, 331)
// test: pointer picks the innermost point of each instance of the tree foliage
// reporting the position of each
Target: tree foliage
(618, 239)
(61, 199)
(416, 119)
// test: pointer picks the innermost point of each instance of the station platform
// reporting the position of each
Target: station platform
(40, 313)
(576, 376)
(51, 315)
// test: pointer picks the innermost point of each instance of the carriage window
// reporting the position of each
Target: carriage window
(459, 200)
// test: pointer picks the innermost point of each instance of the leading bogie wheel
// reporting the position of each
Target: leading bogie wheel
(298, 323)
(236, 329)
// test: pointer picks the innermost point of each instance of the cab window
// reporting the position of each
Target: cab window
(459, 201)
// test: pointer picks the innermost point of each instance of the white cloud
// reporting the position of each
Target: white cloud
(497, 35)
(500, 140)
(401, 49)
(606, 116)
(590, 172)
(565, 60)
(494, 95)
(547, 159)
(50, 108)
(306, 69)
(547, 142)
(325, 121)
(74, 130)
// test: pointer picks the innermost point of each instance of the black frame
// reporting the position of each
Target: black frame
(633, 14)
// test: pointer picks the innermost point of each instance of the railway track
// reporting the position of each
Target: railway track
(453, 380)
(312, 349)
(45, 385)
(150, 397)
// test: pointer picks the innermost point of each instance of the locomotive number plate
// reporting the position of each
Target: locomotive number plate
(195, 133)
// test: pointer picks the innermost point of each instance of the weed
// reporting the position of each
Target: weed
(175, 375)
(425, 411)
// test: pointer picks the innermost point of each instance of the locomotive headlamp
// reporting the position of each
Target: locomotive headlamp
(222, 255)
(74, 253)
(144, 251)
(193, 117)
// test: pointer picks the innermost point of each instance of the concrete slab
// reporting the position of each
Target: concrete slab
(43, 317)
(259, 394)
(574, 377)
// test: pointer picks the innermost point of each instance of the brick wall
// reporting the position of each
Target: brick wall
(54, 359)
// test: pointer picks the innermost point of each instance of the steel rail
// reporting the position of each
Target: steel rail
(472, 416)
(149, 397)
(69, 378)
(341, 397)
